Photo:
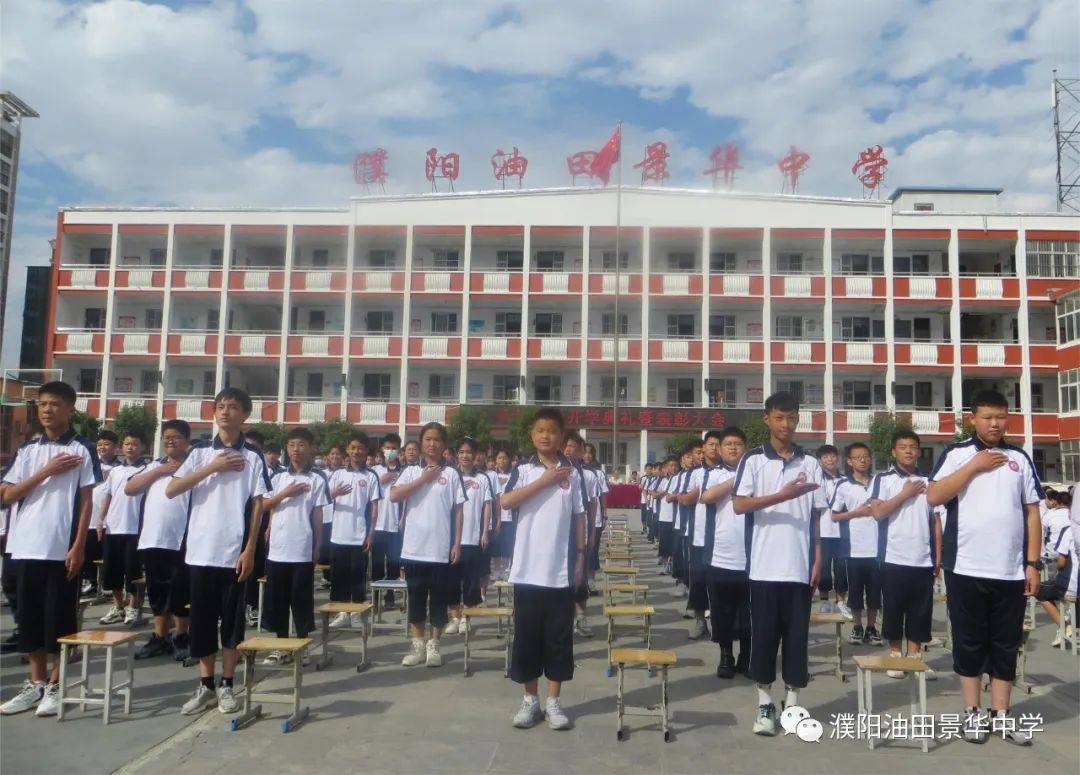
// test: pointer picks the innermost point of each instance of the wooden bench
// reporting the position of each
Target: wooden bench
(626, 588)
(651, 659)
(623, 558)
(624, 572)
(501, 588)
(109, 640)
(838, 621)
(613, 612)
(866, 666)
(498, 614)
(249, 649)
(378, 590)
(326, 610)
(946, 635)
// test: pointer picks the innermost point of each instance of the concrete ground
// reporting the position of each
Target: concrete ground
(404, 720)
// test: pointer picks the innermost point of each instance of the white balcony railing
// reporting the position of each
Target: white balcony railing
(798, 352)
(196, 278)
(437, 282)
(435, 347)
(375, 346)
(256, 281)
(922, 288)
(556, 282)
(736, 351)
(315, 345)
(492, 347)
(926, 422)
(253, 345)
(859, 286)
(609, 284)
(372, 413)
(924, 354)
(858, 421)
(737, 284)
(859, 352)
(554, 347)
(607, 349)
(989, 288)
(990, 355)
(675, 350)
(676, 284)
(496, 282)
(432, 413)
(797, 285)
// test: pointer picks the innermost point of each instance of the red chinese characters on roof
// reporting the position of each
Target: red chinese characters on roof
(580, 163)
(792, 167)
(869, 168)
(654, 166)
(725, 161)
(447, 166)
(369, 169)
(511, 165)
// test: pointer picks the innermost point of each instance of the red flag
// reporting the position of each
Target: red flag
(607, 156)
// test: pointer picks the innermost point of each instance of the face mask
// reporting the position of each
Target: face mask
(390, 455)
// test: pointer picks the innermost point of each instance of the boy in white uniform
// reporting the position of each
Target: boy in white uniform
(851, 509)
(107, 446)
(833, 551)
(476, 520)
(386, 535)
(504, 525)
(573, 448)
(118, 533)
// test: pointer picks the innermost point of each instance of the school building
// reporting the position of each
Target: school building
(394, 310)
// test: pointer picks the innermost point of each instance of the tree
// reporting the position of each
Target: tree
(86, 425)
(882, 428)
(327, 434)
(272, 432)
(138, 421)
(472, 422)
(964, 431)
(675, 445)
(757, 432)
(518, 432)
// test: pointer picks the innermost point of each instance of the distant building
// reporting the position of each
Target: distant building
(35, 317)
(13, 111)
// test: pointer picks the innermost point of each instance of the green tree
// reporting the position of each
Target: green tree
(86, 425)
(472, 422)
(882, 428)
(518, 432)
(964, 431)
(272, 432)
(675, 445)
(137, 420)
(330, 433)
(757, 432)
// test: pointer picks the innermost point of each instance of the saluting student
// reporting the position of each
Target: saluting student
(701, 523)
(910, 549)
(504, 526)
(51, 479)
(851, 508)
(432, 498)
(386, 538)
(475, 523)
(107, 445)
(572, 450)
(355, 492)
(778, 487)
(547, 496)
(834, 551)
(666, 512)
(161, 539)
(990, 554)
(118, 533)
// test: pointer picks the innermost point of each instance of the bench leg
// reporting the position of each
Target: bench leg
(922, 708)
(63, 680)
(860, 696)
(648, 632)
(298, 714)
(249, 712)
(868, 685)
(258, 625)
(365, 633)
(619, 702)
(85, 675)
(325, 659)
(664, 703)
(130, 677)
(106, 705)
(840, 654)
(467, 628)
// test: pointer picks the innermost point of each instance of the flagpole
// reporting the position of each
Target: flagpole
(618, 288)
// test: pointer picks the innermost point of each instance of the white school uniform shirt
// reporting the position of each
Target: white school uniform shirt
(100, 492)
(48, 515)
(291, 536)
(501, 480)
(124, 510)
(591, 483)
(429, 515)
(658, 500)
(829, 528)
(545, 542)
(1055, 521)
(861, 532)
(729, 528)
(986, 526)
(1066, 544)
(905, 534)
(164, 520)
(221, 503)
(698, 478)
(780, 535)
(351, 513)
(668, 510)
(327, 514)
(388, 514)
(477, 493)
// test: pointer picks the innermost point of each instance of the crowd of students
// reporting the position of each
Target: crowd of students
(749, 535)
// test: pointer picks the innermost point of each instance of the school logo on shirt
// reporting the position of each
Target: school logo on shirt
(1014, 465)
(801, 478)
(442, 480)
(472, 484)
(565, 484)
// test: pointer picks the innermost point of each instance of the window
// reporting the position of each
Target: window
(680, 325)
(209, 383)
(722, 326)
(916, 329)
(379, 321)
(504, 388)
(1069, 388)
(680, 262)
(320, 257)
(1053, 259)
(908, 265)
(861, 264)
(314, 384)
(1070, 460)
(89, 380)
(924, 207)
(607, 324)
(507, 322)
(381, 258)
(793, 386)
(680, 391)
(157, 256)
(905, 395)
(316, 320)
(213, 319)
(512, 260)
(722, 392)
(5, 174)
(153, 319)
(547, 390)
(857, 393)
(149, 382)
(789, 327)
(722, 262)
(1036, 396)
(216, 255)
(547, 323)
(442, 386)
(99, 256)
(605, 457)
(376, 387)
(607, 388)
(549, 260)
(607, 260)
(444, 322)
(1068, 318)
(861, 329)
(445, 258)
(789, 263)
(94, 318)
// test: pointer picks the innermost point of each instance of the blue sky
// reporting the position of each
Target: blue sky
(265, 102)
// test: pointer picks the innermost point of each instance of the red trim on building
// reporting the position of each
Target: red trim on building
(321, 230)
(858, 233)
(213, 230)
(144, 228)
(498, 231)
(88, 228)
(798, 233)
(921, 233)
(557, 231)
(737, 233)
(984, 234)
(439, 231)
(1063, 235)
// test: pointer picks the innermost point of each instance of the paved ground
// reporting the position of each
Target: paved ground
(404, 720)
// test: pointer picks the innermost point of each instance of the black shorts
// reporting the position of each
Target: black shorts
(217, 609)
(167, 583)
(698, 579)
(833, 567)
(593, 559)
(864, 583)
(290, 587)
(120, 562)
(93, 552)
(1050, 592)
(779, 615)
(543, 634)
(430, 586)
(987, 621)
(505, 542)
(348, 573)
(665, 531)
(47, 603)
(324, 543)
(468, 572)
(729, 603)
(907, 602)
(385, 555)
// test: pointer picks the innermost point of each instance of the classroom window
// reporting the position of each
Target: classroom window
(721, 262)
(442, 386)
(376, 387)
(381, 258)
(94, 318)
(1053, 259)
(680, 391)
(157, 256)
(794, 387)
(789, 327)
(89, 380)
(99, 256)
(680, 325)
(507, 322)
(547, 390)
(1069, 389)
(504, 387)
(722, 326)
(607, 260)
(857, 393)
(550, 260)
(152, 319)
(680, 262)
(379, 321)
(607, 324)
(722, 392)
(789, 263)
(445, 258)
(607, 388)
(548, 324)
(510, 260)
(444, 322)
(320, 257)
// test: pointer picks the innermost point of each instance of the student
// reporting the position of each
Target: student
(335, 461)
(432, 498)
(702, 520)
(547, 497)
(504, 526)
(335, 458)
(272, 453)
(1054, 521)
(778, 487)
(251, 586)
(486, 467)
(9, 574)
(572, 450)
(108, 447)
(296, 501)
(386, 537)
(851, 508)
(51, 479)
(476, 520)
(596, 528)
(910, 549)
(690, 460)
(991, 549)
(161, 538)
(666, 513)
(355, 491)
(833, 550)
(1062, 585)
(118, 533)
(643, 485)
(411, 453)
(227, 479)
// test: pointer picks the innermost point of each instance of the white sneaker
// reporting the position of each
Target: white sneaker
(202, 699)
(276, 658)
(930, 674)
(341, 620)
(50, 702)
(415, 655)
(131, 616)
(827, 607)
(1056, 642)
(934, 643)
(251, 616)
(434, 658)
(556, 718)
(356, 621)
(529, 713)
(842, 608)
(451, 627)
(226, 700)
(463, 626)
(895, 673)
(86, 587)
(29, 696)
(698, 629)
(114, 615)
(765, 723)
(581, 627)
